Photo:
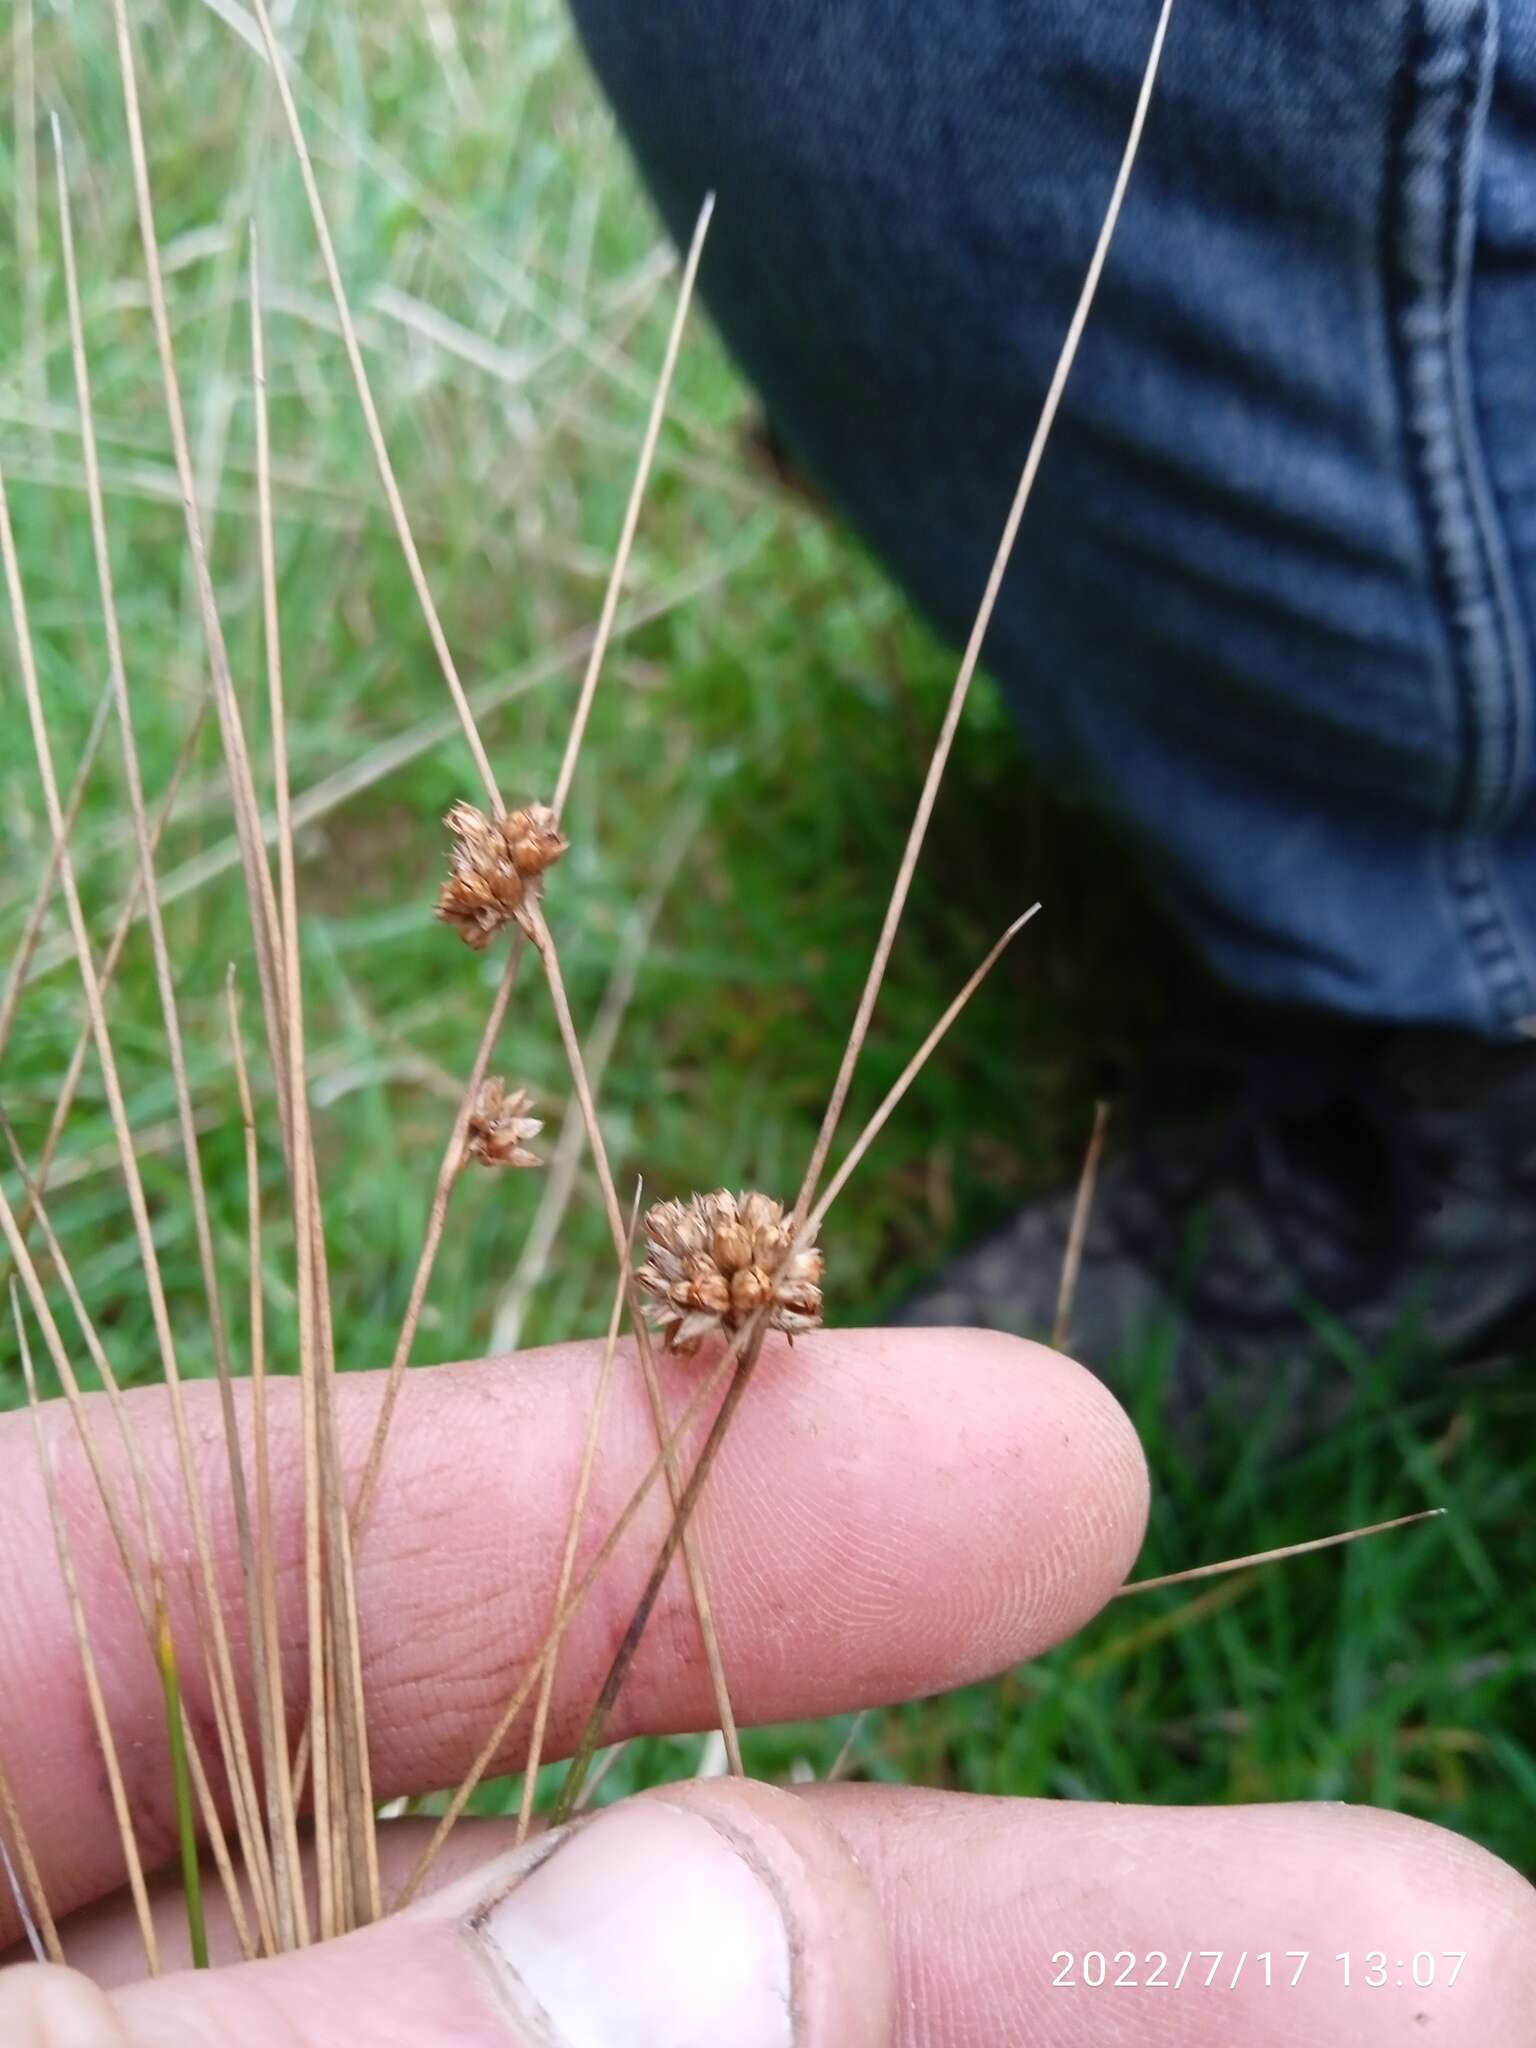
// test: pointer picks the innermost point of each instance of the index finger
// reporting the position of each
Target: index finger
(893, 1513)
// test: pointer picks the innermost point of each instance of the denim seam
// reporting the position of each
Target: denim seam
(1508, 975)
(1447, 83)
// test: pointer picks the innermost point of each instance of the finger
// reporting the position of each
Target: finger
(1012, 1920)
(892, 1514)
(103, 1941)
(697, 1917)
(996, 1913)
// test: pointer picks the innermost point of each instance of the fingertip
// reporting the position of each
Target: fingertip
(44, 2006)
(1049, 1468)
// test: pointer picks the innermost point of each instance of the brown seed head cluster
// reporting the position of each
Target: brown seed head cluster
(499, 1125)
(493, 864)
(715, 1260)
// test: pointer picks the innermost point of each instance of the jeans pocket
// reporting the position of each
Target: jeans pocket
(1429, 249)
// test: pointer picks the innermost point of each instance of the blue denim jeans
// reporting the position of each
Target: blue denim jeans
(1271, 610)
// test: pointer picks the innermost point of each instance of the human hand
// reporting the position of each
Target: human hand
(894, 1513)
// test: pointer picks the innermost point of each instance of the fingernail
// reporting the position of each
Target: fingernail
(644, 1926)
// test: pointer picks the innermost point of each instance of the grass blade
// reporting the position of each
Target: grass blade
(106, 1742)
(181, 1785)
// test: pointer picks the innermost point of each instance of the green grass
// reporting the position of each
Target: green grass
(750, 772)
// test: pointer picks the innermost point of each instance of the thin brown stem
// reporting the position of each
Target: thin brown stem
(258, 880)
(365, 399)
(624, 1656)
(69, 1087)
(693, 1563)
(144, 1587)
(972, 655)
(26, 1879)
(105, 1740)
(1238, 1564)
(266, 1642)
(626, 542)
(573, 1535)
(1077, 1233)
(902, 886)
(842, 1763)
(909, 1074)
(252, 1837)
(447, 1174)
(559, 1180)
(599, 1772)
(375, 764)
(711, 1385)
(354, 1887)
(42, 895)
(239, 1762)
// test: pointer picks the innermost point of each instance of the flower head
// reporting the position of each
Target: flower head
(492, 865)
(714, 1261)
(498, 1125)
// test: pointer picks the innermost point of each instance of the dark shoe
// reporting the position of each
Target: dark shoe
(1384, 1183)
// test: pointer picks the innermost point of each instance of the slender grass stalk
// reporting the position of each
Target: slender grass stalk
(910, 1072)
(181, 1788)
(24, 130)
(693, 1562)
(573, 1532)
(258, 880)
(354, 1887)
(370, 411)
(598, 1773)
(842, 1763)
(267, 1654)
(623, 1657)
(31, 1932)
(26, 1880)
(1077, 1233)
(636, 499)
(106, 1742)
(253, 1840)
(143, 1575)
(69, 1087)
(1286, 1550)
(565, 1155)
(707, 1389)
(972, 655)
(42, 895)
(711, 1384)
(899, 892)
(601, 637)
(437, 1217)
